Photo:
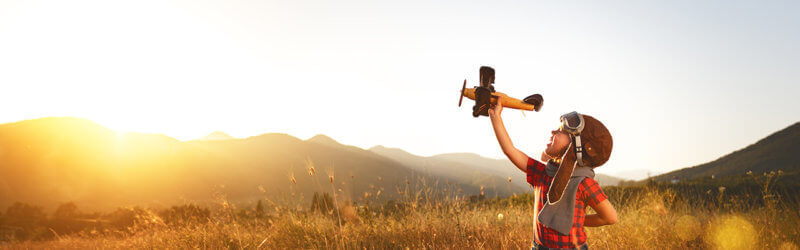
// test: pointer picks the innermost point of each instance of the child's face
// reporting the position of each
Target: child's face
(559, 141)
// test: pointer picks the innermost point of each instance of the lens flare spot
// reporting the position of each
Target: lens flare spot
(733, 233)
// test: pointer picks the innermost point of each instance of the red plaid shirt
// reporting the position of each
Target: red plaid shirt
(589, 193)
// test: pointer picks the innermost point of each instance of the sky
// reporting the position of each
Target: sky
(678, 83)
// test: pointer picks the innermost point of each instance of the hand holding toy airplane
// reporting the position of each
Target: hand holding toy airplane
(485, 96)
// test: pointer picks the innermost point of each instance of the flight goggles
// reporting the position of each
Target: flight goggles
(573, 124)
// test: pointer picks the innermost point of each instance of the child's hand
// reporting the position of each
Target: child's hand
(496, 109)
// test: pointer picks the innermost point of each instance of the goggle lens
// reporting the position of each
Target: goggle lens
(572, 122)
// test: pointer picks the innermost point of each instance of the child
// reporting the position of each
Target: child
(581, 142)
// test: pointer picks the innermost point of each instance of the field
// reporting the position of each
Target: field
(759, 212)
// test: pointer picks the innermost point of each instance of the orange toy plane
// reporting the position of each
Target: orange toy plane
(485, 96)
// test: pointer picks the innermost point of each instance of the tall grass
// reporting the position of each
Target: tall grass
(650, 217)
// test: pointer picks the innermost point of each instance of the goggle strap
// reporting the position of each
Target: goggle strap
(578, 150)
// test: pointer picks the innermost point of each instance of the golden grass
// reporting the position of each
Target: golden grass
(429, 217)
(644, 223)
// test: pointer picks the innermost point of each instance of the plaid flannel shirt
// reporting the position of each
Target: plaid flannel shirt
(589, 194)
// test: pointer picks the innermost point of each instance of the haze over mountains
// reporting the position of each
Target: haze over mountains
(53, 160)
(469, 167)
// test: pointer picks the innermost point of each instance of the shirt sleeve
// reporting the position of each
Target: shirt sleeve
(593, 194)
(535, 171)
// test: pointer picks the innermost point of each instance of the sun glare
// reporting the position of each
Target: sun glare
(119, 140)
(733, 232)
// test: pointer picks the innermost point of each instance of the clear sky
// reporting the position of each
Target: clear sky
(678, 83)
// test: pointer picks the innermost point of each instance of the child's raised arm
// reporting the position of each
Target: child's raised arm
(517, 157)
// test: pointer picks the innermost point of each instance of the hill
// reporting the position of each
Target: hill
(777, 151)
(457, 171)
(53, 160)
(504, 167)
(324, 140)
(216, 136)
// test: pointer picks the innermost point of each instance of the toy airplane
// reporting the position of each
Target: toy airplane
(485, 96)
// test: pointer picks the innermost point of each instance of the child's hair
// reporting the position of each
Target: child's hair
(597, 143)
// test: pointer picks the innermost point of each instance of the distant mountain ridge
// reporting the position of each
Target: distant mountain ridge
(778, 151)
(454, 170)
(216, 136)
(324, 139)
(470, 166)
(60, 159)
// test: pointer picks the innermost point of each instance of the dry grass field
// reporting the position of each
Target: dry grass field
(650, 217)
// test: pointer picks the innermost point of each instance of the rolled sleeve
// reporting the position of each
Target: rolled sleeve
(593, 192)
(535, 172)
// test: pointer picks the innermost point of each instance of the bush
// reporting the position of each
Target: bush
(184, 214)
(133, 219)
(25, 222)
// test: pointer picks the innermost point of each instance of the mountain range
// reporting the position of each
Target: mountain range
(53, 160)
(49, 161)
(470, 168)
